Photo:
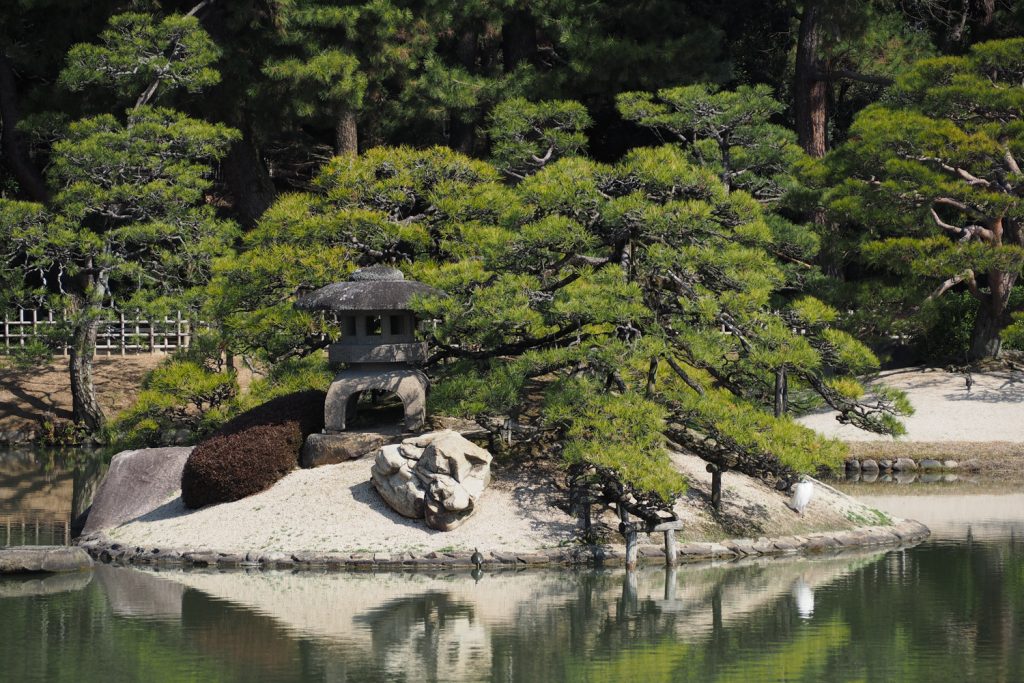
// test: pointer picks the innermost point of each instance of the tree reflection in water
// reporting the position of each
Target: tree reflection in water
(937, 612)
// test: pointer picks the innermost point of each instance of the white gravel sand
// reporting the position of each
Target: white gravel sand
(993, 409)
(335, 509)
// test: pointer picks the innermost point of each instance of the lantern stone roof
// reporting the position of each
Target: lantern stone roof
(376, 288)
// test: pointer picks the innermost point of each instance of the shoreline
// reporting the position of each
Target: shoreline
(901, 533)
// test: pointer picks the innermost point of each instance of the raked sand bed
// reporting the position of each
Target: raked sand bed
(335, 510)
(945, 410)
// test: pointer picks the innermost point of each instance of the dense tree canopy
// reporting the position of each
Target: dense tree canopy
(603, 310)
(625, 201)
(933, 174)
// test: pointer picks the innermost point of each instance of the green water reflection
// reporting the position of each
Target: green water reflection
(941, 611)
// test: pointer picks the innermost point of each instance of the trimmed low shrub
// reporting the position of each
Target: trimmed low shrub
(252, 451)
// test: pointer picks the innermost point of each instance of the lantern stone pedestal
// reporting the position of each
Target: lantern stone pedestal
(408, 383)
(378, 351)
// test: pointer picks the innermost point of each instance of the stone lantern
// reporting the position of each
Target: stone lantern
(378, 342)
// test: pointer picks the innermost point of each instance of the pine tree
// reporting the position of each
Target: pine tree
(929, 183)
(605, 311)
(127, 223)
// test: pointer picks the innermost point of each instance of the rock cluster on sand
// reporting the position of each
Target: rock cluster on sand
(438, 477)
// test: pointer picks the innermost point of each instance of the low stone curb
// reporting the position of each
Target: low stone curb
(903, 532)
(43, 559)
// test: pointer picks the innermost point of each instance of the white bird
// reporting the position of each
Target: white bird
(802, 493)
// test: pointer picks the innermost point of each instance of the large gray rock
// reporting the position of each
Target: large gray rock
(438, 476)
(137, 483)
(393, 477)
(26, 559)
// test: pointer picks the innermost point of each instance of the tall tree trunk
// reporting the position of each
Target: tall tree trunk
(810, 89)
(781, 392)
(29, 178)
(248, 181)
(518, 39)
(85, 408)
(346, 134)
(993, 316)
(462, 128)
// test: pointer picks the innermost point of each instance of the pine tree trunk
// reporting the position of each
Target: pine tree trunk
(29, 178)
(993, 316)
(985, 341)
(781, 392)
(85, 407)
(810, 90)
(248, 181)
(462, 132)
(518, 39)
(346, 134)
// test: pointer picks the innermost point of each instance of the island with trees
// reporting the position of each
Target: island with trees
(657, 232)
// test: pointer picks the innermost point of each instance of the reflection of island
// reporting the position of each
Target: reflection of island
(448, 627)
(955, 516)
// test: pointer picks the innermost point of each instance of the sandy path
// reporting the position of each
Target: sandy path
(993, 410)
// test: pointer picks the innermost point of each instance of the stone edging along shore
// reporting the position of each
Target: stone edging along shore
(903, 532)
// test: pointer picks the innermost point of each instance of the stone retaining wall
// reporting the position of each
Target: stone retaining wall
(903, 532)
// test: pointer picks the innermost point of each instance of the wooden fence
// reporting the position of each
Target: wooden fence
(122, 335)
(31, 529)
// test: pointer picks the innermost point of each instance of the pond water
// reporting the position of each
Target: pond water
(949, 609)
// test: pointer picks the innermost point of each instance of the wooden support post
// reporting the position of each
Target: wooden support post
(628, 530)
(668, 528)
(671, 551)
(716, 484)
(585, 517)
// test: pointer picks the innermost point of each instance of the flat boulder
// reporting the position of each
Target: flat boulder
(35, 559)
(137, 483)
(328, 449)
(438, 477)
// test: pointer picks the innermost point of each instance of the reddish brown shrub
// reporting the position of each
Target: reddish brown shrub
(253, 451)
